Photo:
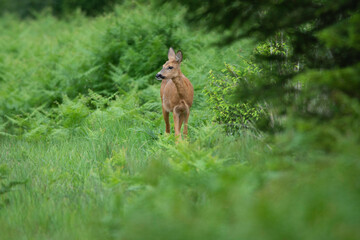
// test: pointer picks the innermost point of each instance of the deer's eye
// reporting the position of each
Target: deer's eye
(170, 67)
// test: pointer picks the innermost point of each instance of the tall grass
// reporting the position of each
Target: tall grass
(82, 129)
(118, 178)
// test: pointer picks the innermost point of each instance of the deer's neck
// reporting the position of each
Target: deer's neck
(180, 85)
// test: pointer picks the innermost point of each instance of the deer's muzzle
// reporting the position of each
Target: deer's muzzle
(159, 76)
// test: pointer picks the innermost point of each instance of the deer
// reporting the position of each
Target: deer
(176, 93)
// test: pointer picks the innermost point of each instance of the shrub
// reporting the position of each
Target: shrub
(135, 48)
(232, 115)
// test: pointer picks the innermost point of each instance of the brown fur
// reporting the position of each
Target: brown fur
(176, 93)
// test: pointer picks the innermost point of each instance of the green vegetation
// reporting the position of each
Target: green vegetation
(29, 8)
(233, 116)
(83, 154)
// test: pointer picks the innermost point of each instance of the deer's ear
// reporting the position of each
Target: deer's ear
(171, 54)
(179, 56)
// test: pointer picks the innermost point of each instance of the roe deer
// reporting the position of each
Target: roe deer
(176, 93)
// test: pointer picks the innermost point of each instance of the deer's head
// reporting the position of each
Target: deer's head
(171, 69)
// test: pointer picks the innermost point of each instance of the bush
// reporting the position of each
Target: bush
(49, 60)
(222, 85)
(135, 48)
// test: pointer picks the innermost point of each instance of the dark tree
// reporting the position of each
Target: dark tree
(316, 81)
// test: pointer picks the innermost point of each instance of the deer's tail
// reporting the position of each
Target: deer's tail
(182, 107)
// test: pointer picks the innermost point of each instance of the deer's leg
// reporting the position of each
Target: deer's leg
(166, 118)
(177, 125)
(187, 114)
(182, 117)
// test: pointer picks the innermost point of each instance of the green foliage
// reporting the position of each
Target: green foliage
(310, 86)
(48, 61)
(321, 36)
(273, 47)
(112, 54)
(114, 178)
(133, 48)
(233, 116)
(29, 8)
(99, 166)
(77, 55)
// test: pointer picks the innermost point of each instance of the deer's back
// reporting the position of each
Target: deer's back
(170, 96)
